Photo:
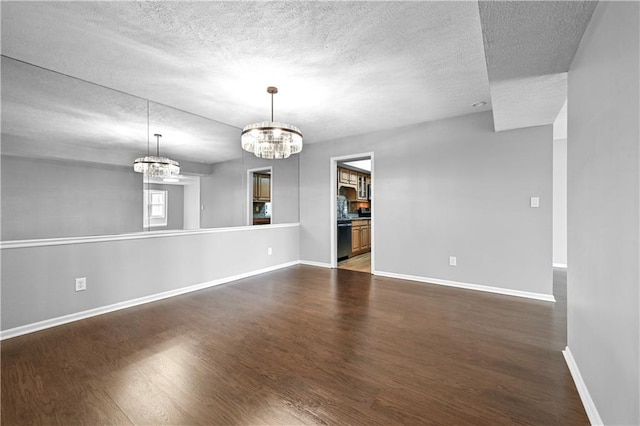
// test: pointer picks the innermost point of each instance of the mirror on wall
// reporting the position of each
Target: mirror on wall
(198, 143)
(283, 179)
(68, 148)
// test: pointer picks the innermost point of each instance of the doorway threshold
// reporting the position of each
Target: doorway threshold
(359, 263)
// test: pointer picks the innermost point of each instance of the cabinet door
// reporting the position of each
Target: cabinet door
(264, 187)
(360, 185)
(364, 239)
(343, 175)
(363, 183)
(353, 177)
(261, 187)
(355, 239)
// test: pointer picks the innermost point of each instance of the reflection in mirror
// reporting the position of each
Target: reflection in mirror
(171, 203)
(67, 150)
(259, 188)
(284, 180)
(195, 198)
(67, 155)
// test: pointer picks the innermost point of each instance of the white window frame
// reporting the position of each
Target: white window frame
(158, 220)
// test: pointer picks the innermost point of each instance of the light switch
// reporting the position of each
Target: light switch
(535, 202)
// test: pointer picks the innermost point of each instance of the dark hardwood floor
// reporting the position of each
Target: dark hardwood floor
(302, 345)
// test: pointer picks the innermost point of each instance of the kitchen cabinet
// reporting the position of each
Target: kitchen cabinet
(363, 186)
(356, 180)
(347, 177)
(365, 237)
(355, 239)
(360, 236)
(261, 187)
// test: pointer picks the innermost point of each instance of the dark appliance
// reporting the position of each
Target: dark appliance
(364, 212)
(344, 238)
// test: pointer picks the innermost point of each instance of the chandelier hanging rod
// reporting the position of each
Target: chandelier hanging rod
(273, 90)
(158, 136)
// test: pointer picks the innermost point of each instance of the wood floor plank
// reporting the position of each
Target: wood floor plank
(359, 263)
(302, 345)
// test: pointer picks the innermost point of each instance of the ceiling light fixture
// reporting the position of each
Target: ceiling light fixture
(478, 104)
(154, 165)
(271, 139)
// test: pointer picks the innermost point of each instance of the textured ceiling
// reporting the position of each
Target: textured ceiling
(342, 68)
(529, 46)
(49, 115)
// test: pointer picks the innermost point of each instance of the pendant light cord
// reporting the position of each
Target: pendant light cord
(272, 107)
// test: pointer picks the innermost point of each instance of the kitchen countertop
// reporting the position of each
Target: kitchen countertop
(356, 218)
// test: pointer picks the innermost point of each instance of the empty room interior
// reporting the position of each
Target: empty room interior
(359, 213)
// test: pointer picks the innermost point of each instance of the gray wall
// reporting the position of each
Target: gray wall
(222, 194)
(51, 198)
(175, 208)
(224, 191)
(38, 282)
(603, 211)
(284, 184)
(446, 188)
(560, 201)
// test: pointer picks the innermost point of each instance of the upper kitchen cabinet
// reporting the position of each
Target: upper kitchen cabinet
(261, 187)
(347, 177)
(359, 181)
(364, 180)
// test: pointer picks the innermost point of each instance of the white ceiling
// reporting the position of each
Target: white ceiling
(342, 68)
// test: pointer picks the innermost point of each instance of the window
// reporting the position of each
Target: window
(155, 208)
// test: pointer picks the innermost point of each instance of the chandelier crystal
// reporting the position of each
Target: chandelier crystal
(160, 167)
(271, 139)
(155, 165)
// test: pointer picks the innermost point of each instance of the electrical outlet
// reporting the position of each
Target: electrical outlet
(269, 251)
(453, 261)
(81, 284)
(534, 202)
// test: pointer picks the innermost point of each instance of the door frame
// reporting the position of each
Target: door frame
(249, 209)
(333, 192)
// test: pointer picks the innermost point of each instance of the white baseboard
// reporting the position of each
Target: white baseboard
(560, 265)
(478, 287)
(53, 322)
(587, 402)
(312, 263)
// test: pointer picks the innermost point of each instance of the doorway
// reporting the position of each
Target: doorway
(259, 190)
(352, 212)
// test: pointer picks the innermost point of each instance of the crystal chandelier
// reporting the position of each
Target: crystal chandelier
(154, 165)
(271, 139)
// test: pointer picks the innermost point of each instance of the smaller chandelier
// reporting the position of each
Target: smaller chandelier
(156, 166)
(271, 139)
